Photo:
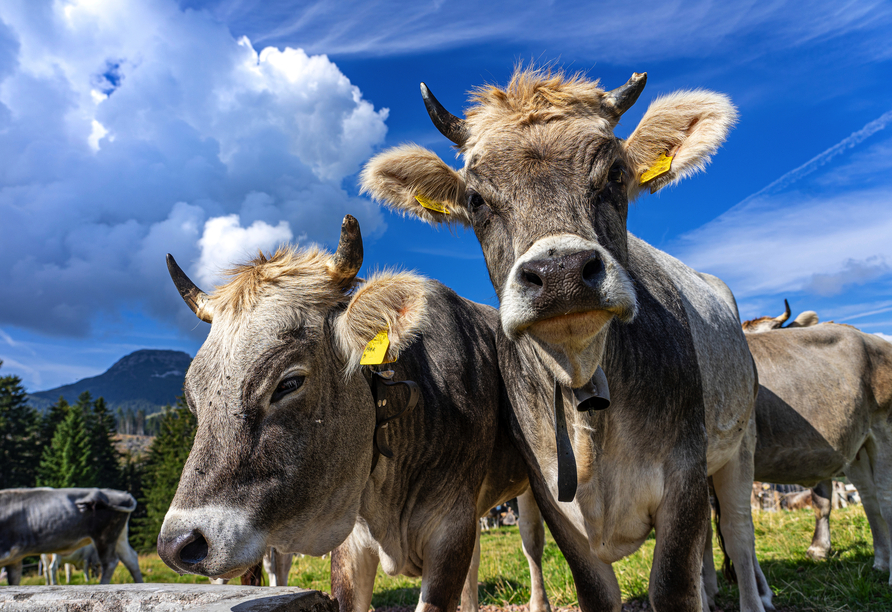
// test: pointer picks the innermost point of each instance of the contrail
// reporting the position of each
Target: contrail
(819, 160)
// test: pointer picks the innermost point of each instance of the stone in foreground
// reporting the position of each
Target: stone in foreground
(163, 598)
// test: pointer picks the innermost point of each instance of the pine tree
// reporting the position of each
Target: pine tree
(52, 418)
(163, 469)
(106, 458)
(67, 462)
(19, 444)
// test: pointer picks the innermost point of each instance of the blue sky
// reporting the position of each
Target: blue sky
(133, 128)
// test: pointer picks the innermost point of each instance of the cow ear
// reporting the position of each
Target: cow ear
(395, 303)
(415, 181)
(677, 136)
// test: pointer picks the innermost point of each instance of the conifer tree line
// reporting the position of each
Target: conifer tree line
(72, 445)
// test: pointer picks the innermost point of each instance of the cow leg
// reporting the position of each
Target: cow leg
(469, 594)
(681, 525)
(14, 573)
(127, 555)
(68, 573)
(532, 537)
(53, 570)
(879, 449)
(353, 567)
(710, 581)
(277, 565)
(447, 559)
(733, 488)
(821, 499)
(596, 585)
(860, 473)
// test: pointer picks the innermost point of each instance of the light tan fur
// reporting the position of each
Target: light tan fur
(301, 273)
(398, 175)
(388, 300)
(690, 125)
(396, 302)
(805, 319)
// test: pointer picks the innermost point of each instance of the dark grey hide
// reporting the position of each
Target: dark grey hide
(46, 521)
(295, 474)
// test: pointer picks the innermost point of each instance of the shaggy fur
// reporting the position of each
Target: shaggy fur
(396, 302)
(303, 277)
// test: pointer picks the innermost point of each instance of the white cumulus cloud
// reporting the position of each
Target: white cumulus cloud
(225, 242)
(136, 128)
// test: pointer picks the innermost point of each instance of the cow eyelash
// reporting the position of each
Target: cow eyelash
(289, 385)
(475, 200)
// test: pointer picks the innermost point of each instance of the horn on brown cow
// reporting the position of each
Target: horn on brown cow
(450, 126)
(194, 297)
(781, 319)
(347, 259)
(622, 98)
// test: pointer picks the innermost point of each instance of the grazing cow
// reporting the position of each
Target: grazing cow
(301, 447)
(84, 558)
(825, 407)
(760, 324)
(45, 521)
(546, 186)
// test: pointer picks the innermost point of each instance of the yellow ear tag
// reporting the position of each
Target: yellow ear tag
(660, 167)
(432, 205)
(376, 350)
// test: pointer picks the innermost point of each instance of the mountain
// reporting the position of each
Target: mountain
(146, 379)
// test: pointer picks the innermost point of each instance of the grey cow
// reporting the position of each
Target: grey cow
(825, 407)
(546, 186)
(45, 521)
(292, 450)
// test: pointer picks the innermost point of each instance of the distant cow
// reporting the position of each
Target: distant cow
(46, 521)
(302, 447)
(825, 407)
(84, 558)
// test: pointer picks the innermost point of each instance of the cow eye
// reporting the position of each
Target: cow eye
(289, 385)
(617, 173)
(475, 200)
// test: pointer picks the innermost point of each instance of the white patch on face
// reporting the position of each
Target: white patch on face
(233, 542)
(570, 349)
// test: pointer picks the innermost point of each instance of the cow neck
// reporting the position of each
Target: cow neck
(379, 382)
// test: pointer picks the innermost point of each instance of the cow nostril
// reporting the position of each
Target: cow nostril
(531, 278)
(195, 551)
(592, 269)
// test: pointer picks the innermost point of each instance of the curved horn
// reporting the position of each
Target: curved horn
(450, 126)
(781, 319)
(622, 98)
(347, 259)
(195, 298)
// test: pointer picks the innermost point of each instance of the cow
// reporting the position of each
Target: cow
(825, 407)
(586, 307)
(84, 558)
(759, 324)
(363, 417)
(45, 521)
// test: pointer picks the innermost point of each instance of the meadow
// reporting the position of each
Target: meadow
(844, 582)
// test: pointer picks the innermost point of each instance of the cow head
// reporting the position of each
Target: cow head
(285, 417)
(761, 324)
(546, 186)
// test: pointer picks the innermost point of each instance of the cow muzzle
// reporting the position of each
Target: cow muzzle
(214, 542)
(565, 289)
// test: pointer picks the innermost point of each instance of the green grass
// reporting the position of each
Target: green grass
(844, 582)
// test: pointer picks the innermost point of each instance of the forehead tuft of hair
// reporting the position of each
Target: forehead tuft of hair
(304, 271)
(536, 94)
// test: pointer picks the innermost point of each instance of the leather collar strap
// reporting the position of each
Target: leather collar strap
(594, 395)
(378, 383)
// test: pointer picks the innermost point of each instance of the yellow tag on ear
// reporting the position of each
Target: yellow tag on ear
(432, 205)
(376, 350)
(660, 167)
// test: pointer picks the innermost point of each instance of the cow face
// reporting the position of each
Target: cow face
(285, 417)
(546, 187)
